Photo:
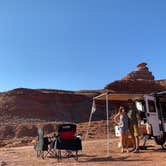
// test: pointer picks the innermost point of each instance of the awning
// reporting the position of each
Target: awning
(119, 96)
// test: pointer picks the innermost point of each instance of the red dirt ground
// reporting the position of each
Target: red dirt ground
(93, 153)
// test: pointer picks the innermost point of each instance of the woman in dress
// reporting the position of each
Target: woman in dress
(121, 119)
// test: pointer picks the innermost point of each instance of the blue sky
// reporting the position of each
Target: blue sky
(79, 44)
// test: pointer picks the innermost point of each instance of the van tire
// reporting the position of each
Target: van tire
(160, 140)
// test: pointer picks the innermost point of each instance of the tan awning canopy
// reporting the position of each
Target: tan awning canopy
(118, 96)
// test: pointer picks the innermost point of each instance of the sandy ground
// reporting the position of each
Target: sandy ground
(94, 153)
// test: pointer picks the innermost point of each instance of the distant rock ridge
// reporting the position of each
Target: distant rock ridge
(75, 106)
(43, 104)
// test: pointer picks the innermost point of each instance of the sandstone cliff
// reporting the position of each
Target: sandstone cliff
(48, 105)
(60, 105)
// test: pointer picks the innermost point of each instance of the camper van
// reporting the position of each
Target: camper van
(153, 111)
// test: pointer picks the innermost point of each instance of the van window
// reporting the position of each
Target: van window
(163, 107)
(151, 105)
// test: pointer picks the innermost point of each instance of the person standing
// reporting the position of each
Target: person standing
(122, 120)
(134, 119)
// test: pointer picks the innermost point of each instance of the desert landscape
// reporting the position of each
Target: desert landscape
(85, 77)
(20, 151)
(93, 153)
(24, 110)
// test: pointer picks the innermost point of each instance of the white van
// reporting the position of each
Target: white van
(153, 110)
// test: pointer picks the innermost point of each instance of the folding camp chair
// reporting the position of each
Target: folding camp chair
(40, 142)
(67, 141)
(44, 146)
(52, 147)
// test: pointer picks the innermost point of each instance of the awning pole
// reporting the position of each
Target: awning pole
(108, 137)
(90, 118)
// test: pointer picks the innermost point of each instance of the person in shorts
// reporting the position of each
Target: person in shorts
(134, 119)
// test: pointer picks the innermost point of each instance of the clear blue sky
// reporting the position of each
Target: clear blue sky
(79, 44)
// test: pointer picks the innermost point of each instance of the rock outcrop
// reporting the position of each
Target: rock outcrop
(142, 73)
(49, 105)
(139, 81)
(21, 109)
(60, 105)
(162, 83)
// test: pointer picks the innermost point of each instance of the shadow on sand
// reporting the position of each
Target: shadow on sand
(108, 159)
(160, 150)
(153, 148)
(72, 156)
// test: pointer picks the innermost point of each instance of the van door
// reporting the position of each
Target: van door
(152, 115)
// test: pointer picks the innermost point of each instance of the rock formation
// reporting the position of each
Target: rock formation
(142, 73)
(30, 106)
(60, 105)
(139, 81)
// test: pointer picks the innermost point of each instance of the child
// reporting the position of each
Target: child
(121, 119)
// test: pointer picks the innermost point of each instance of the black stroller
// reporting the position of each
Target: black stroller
(67, 141)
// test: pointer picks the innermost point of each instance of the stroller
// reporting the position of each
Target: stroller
(67, 141)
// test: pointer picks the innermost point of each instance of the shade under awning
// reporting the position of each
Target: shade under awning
(119, 96)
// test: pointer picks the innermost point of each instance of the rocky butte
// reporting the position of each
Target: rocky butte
(139, 81)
